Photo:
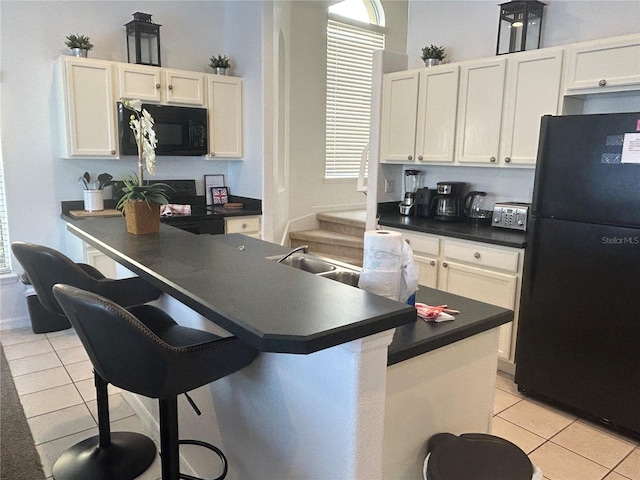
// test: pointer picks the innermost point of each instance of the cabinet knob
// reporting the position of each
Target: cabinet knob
(244, 225)
(410, 157)
(432, 263)
(445, 264)
(170, 87)
(420, 157)
(213, 154)
(157, 86)
(476, 255)
(113, 152)
(602, 83)
(507, 159)
(492, 159)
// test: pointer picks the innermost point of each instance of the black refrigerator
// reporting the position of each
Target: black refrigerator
(578, 342)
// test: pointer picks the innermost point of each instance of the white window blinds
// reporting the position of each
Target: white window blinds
(349, 61)
(5, 255)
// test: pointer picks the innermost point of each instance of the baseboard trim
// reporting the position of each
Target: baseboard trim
(17, 323)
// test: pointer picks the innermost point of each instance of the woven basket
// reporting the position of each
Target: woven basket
(142, 217)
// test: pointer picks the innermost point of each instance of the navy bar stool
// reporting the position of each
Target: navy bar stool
(121, 455)
(143, 350)
(475, 456)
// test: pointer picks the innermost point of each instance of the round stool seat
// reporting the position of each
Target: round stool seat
(476, 456)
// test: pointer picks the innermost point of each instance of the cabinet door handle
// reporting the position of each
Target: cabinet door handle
(410, 157)
(507, 159)
(420, 157)
(445, 264)
(492, 159)
(170, 87)
(157, 86)
(476, 255)
(602, 83)
(432, 263)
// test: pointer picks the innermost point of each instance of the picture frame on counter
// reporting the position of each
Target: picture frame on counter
(220, 195)
(211, 181)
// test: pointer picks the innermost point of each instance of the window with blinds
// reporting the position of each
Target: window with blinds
(349, 62)
(5, 254)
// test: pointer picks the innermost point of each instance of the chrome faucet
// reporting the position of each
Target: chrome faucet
(301, 248)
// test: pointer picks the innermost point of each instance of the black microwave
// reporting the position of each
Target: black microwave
(181, 131)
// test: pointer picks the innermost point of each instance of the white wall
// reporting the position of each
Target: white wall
(37, 180)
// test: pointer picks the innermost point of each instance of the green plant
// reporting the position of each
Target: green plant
(219, 62)
(79, 41)
(433, 51)
(133, 190)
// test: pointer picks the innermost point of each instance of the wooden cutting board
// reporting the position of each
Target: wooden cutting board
(107, 212)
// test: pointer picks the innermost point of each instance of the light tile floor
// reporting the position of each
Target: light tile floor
(54, 379)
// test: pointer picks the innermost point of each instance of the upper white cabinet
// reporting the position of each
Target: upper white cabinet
(161, 85)
(608, 65)
(419, 115)
(224, 104)
(532, 90)
(88, 118)
(437, 104)
(480, 111)
(399, 114)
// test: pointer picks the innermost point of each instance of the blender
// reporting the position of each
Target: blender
(411, 184)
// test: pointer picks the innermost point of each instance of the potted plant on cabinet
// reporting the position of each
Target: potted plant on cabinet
(79, 45)
(141, 203)
(219, 64)
(433, 55)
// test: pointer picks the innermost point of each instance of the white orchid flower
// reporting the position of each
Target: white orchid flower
(142, 125)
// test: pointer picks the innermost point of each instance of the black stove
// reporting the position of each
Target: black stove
(201, 220)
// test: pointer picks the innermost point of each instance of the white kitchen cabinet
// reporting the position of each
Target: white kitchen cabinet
(224, 101)
(249, 225)
(480, 111)
(607, 65)
(419, 115)
(436, 121)
(87, 114)
(161, 85)
(426, 250)
(99, 260)
(480, 271)
(532, 90)
(399, 116)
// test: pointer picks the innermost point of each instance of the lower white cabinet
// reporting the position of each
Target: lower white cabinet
(249, 225)
(99, 260)
(484, 272)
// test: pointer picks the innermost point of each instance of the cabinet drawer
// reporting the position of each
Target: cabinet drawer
(421, 243)
(482, 255)
(242, 225)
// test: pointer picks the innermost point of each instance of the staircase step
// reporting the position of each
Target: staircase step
(328, 237)
(346, 248)
(351, 222)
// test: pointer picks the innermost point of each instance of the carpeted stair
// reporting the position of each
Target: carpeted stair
(340, 236)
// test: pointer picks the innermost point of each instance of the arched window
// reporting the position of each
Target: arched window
(355, 29)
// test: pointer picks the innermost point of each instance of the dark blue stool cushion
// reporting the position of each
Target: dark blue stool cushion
(476, 456)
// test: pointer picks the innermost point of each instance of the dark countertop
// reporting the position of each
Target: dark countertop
(280, 315)
(462, 230)
(227, 279)
(421, 337)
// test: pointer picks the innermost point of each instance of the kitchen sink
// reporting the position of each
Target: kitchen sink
(322, 267)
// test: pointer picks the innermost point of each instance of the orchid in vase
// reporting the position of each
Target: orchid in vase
(141, 123)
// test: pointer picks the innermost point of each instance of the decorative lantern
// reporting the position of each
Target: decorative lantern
(520, 26)
(143, 40)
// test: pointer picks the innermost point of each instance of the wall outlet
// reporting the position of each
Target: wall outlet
(389, 186)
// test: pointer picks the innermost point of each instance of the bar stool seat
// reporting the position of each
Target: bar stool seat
(475, 456)
(143, 350)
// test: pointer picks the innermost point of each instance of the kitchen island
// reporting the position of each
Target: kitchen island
(321, 400)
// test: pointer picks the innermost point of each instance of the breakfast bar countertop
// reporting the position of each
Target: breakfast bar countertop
(274, 307)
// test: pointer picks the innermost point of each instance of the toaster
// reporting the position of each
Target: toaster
(513, 215)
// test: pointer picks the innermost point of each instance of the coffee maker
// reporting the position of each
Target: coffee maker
(411, 184)
(446, 204)
(423, 202)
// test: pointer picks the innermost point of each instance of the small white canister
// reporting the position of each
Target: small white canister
(93, 200)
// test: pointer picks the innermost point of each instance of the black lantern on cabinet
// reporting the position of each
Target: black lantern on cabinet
(143, 40)
(520, 26)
